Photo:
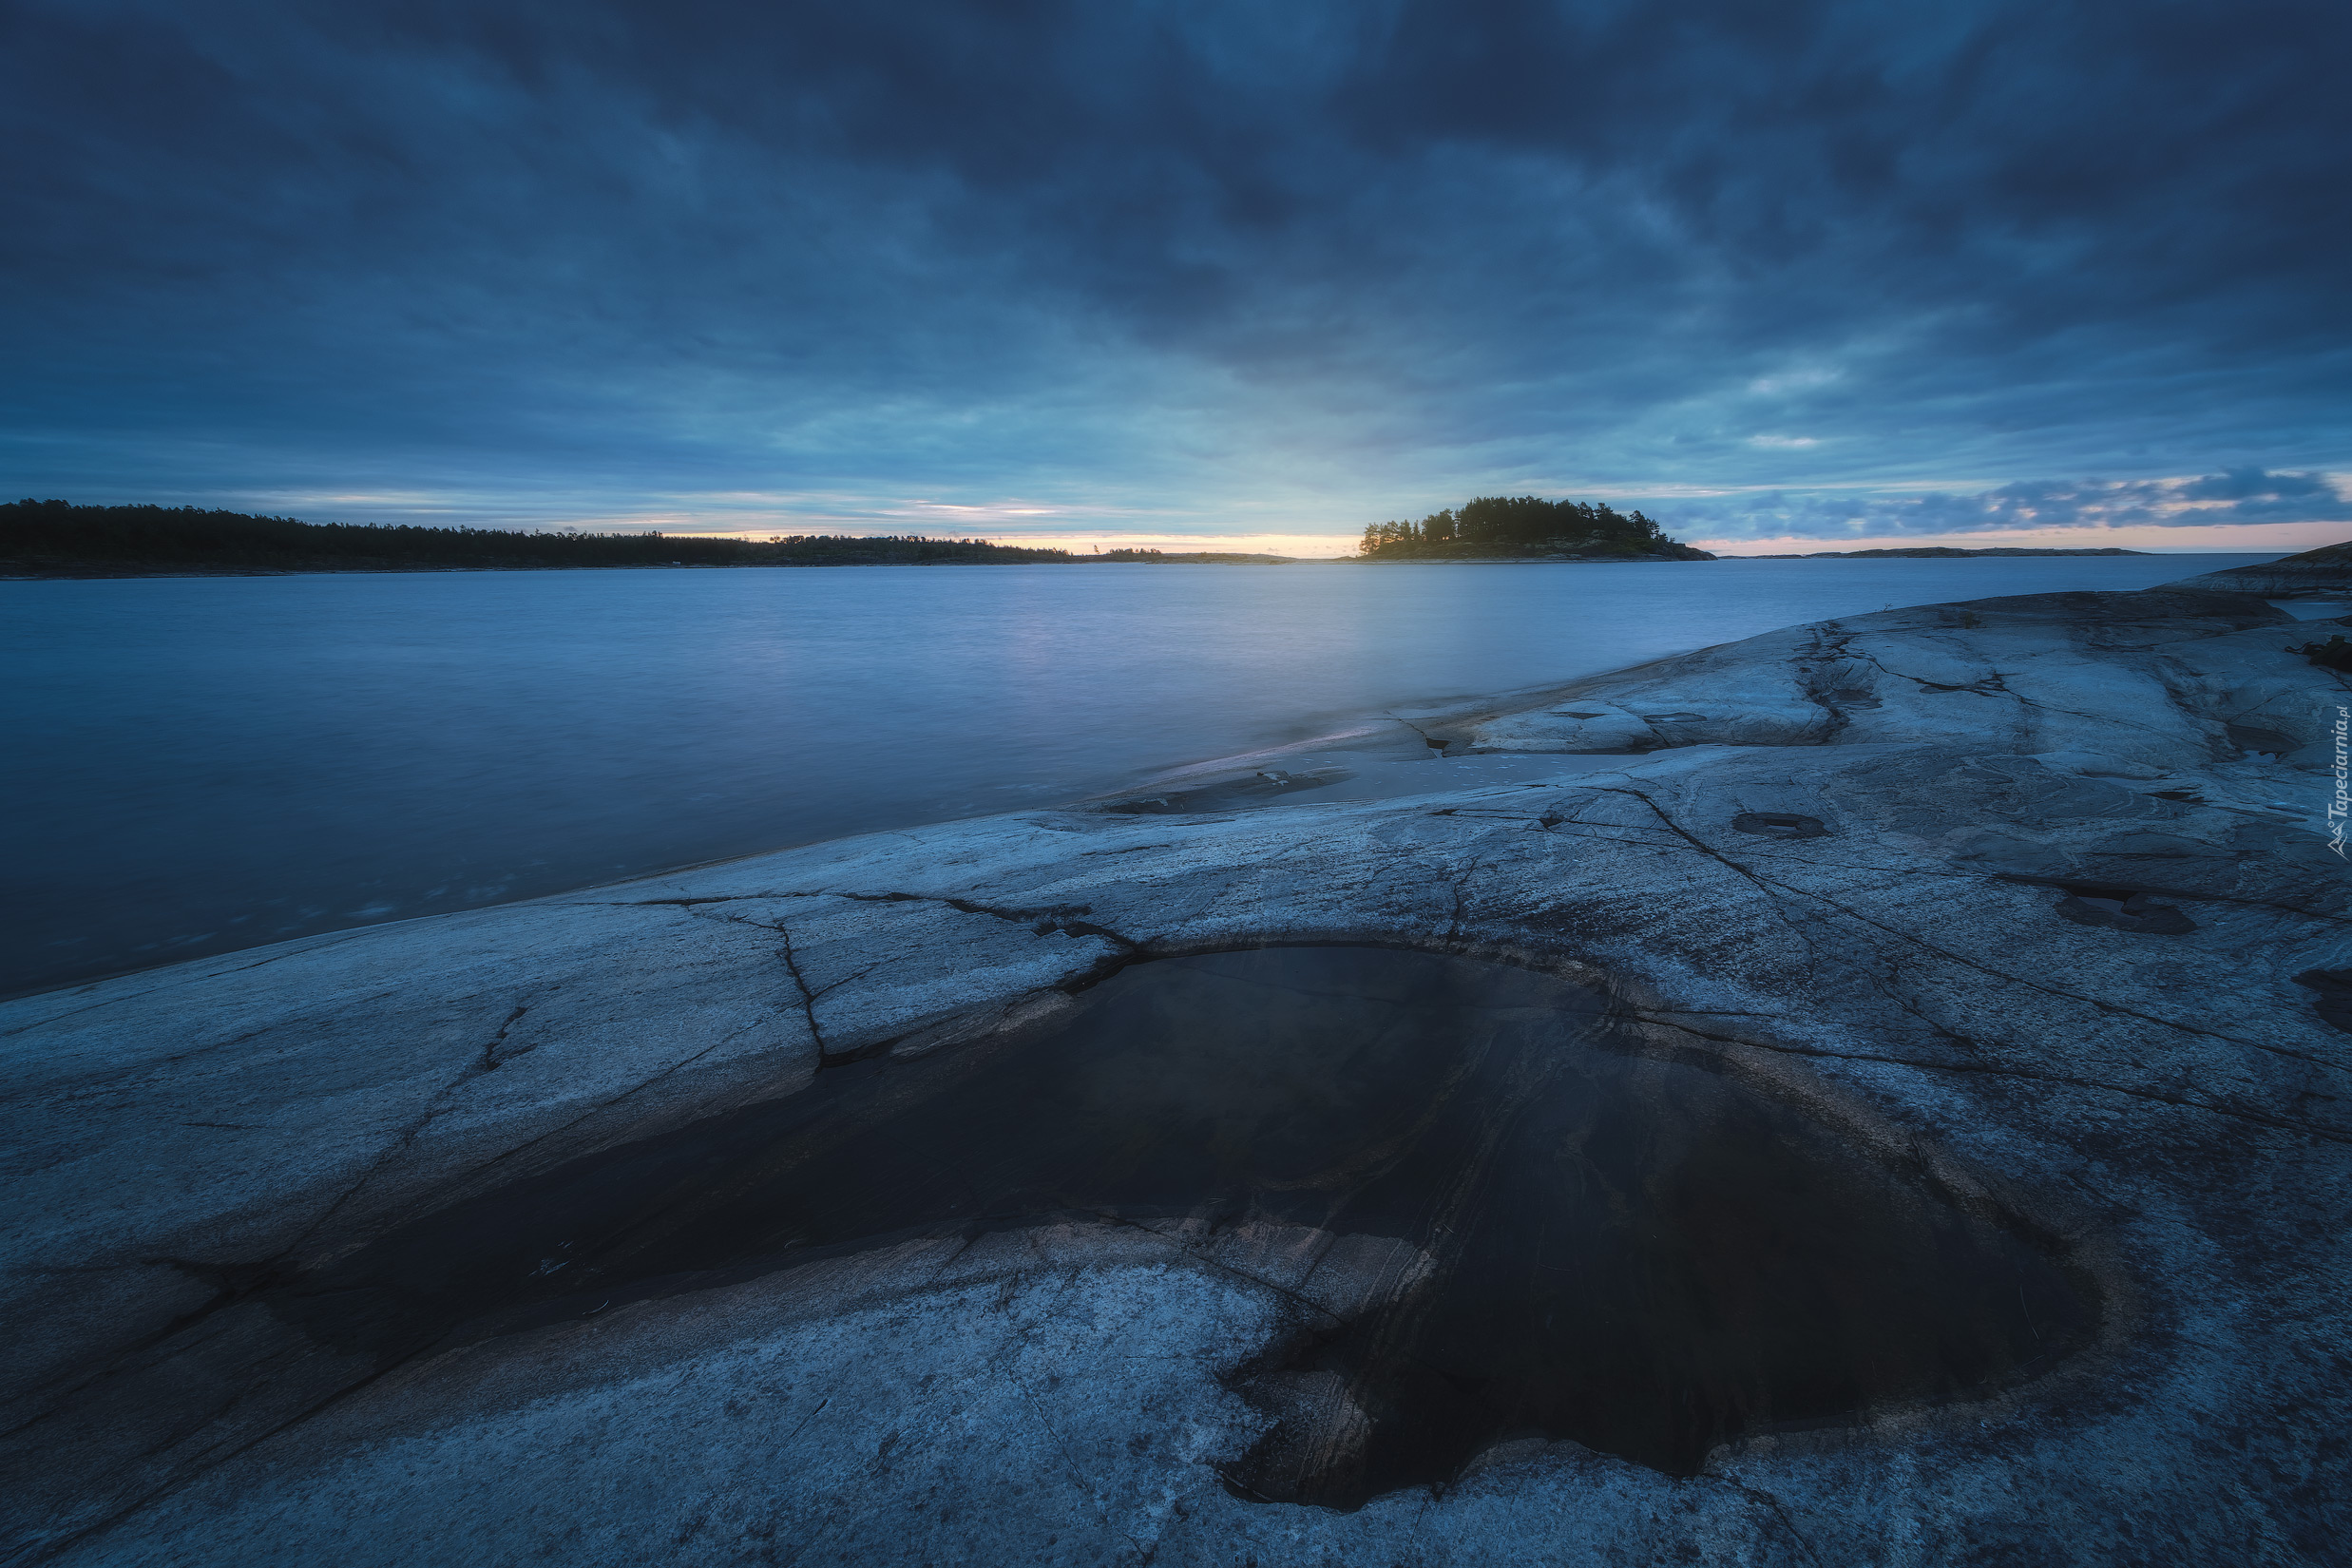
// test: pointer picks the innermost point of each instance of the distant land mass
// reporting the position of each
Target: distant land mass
(1178, 558)
(1927, 552)
(58, 539)
(1525, 527)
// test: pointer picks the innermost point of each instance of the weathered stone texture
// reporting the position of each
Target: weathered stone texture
(2169, 1102)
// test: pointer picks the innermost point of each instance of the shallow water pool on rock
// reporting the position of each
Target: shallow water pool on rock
(1640, 1254)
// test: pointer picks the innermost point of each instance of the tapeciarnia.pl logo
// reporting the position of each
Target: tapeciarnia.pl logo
(2341, 805)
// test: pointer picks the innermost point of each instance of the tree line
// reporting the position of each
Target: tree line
(57, 536)
(1522, 525)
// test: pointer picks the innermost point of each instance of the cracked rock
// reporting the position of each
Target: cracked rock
(2159, 1112)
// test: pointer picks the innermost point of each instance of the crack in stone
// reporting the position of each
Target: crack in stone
(2115, 719)
(1829, 644)
(824, 1057)
(53, 1545)
(685, 902)
(1987, 685)
(157, 984)
(491, 1060)
(1766, 884)
(1462, 903)
(404, 1139)
(1885, 987)
(1078, 1478)
(1044, 921)
(240, 1282)
(1770, 1500)
(2096, 1004)
(1795, 928)
(94, 1079)
(595, 1110)
(65, 1385)
(1427, 739)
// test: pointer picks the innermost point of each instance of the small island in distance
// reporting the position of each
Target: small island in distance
(1526, 527)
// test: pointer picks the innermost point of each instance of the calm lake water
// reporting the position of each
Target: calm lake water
(204, 764)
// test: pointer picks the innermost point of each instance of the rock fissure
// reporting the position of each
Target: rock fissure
(491, 1060)
(2096, 1004)
(1757, 1493)
(150, 983)
(825, 1056)
(472, 1173)
(1044, 920)
(404, 1139)
(152, 1068)
(1829, 645)
(1961, 958)
(1070, 1465)
(181, 1482)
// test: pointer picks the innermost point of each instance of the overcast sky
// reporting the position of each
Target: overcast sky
(1769, 271)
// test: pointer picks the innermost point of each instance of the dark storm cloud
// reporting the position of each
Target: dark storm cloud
(1293, 266)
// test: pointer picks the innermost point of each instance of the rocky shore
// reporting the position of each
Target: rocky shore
(639, 1224)
(2324, 573)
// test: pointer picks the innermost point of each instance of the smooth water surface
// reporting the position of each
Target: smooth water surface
(201, 764)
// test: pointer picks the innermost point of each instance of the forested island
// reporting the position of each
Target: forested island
(1526, 527)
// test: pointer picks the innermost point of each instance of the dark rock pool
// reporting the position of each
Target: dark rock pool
(1640, 1254)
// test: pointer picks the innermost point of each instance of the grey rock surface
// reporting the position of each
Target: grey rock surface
(1956, 963)
(2324, 573)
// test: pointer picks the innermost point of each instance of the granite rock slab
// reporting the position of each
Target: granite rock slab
(2161, 1097)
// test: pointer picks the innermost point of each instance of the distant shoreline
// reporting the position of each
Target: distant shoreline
(1934, 552)
(18, 571)
(57, 539)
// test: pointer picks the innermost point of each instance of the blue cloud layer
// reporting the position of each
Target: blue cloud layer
(1204, 265)
(2237, 496)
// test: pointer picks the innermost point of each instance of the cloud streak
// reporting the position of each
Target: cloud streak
(2238, 497)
